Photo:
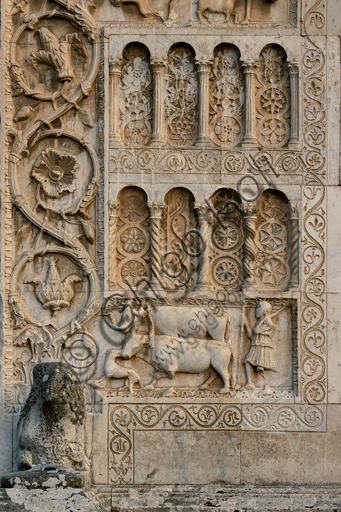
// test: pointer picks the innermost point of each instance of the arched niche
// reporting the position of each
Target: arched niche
(131, 239)
(181, 96)
(227, 97)
(273, 98)
(136, 95)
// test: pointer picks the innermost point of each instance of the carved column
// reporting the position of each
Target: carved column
(203, 67)
(250, 248)
(294, 260)
(204, 281)
(114, 103)
(156, 209)
(158, 66)
(113, 218)
(249, 67)
(295, 109)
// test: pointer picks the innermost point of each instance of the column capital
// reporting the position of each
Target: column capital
(293, 67)
(158, 64)
(294, 209)
(249, 209)
(203, 65)
(115, 64)
(156, 209)
(203, 211)
(249, 66)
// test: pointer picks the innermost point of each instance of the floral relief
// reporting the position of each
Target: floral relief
(55, 171)
(132, 272)
(181, 105)
(273, 98)
(136, 96)
(133, 240)
(133, 208)
(227, 95)
(272, 241)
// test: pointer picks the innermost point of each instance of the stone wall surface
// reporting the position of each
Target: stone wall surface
(170, 271)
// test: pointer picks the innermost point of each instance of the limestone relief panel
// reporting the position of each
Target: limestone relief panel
(273, 98)
(181, 97)
(131, 242)
(227, 97)
(136, 96)
(207, 11)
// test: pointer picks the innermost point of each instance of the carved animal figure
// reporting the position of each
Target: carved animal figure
(142, 5)
(169, 352)
(226, 7)
(51, 425)
(171, 355)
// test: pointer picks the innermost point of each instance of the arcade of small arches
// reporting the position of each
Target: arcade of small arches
(226, 242)
(185, 101)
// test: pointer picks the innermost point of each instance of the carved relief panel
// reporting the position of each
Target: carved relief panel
(181, 99)
(226, 241)
(132, 239)
(273, 98)
(227, 97)
(136, 96)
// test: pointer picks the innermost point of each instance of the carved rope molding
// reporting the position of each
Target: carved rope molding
(58, 55)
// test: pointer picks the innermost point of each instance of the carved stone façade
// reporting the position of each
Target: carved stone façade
(164, 214)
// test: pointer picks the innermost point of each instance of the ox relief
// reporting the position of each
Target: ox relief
(245, 349)
(203, 11)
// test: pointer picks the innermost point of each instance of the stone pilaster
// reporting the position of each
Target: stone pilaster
(158, 66)
(250, 248)
(249, 140)
(156, 209)
(294, 259)
(204, 281)
(295, 110)
(114, 103)
(204, 67)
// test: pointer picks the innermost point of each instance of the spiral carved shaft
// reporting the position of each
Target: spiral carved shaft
(294, 251)
(250, 249)
(156, 245)
(113, 217)
(204, 263)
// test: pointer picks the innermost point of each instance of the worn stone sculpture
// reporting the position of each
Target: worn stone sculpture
(51, 425)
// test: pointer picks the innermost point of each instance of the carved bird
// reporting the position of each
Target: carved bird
(53, 293)
(57, 53)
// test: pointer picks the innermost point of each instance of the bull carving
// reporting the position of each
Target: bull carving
(170, 347)
(226, 7)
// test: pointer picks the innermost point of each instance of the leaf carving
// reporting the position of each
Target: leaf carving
(85, 117)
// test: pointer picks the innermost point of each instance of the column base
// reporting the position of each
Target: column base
(249, 143)
(203, 142)
(157, 141)
(115, 139)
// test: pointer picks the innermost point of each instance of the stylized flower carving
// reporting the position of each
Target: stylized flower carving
(227, 129)
(225, 236)
(274, 131)
(133, 240)
(133, 208)
(136, 132)
(132, 272)
(55, 171)
(226, 272)
(53, 293)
